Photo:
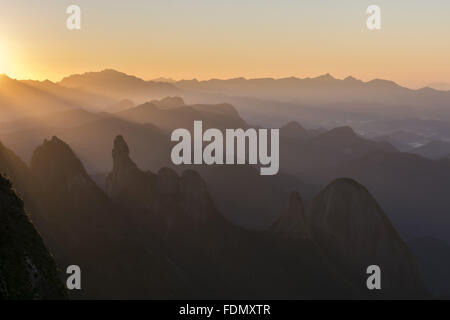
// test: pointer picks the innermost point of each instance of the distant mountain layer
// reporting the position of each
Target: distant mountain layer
(376, 97)
(323, 99)
(119, 85)
(434, 150)
(30, 98)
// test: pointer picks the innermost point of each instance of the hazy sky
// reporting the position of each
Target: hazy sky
(228, 38)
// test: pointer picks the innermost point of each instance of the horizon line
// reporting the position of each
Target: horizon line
(173, 80)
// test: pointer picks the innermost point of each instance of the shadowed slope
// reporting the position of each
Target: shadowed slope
(27, 270)
(349, 225)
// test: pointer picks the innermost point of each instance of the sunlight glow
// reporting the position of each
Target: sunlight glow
(4, 63)
(2, 60)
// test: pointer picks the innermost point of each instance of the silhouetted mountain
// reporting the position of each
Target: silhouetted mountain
(19, 99)
(82, 98)
(178, 233)
(174, 242)
(350, 229)
(213, 256)
(349, 225)
(27, 269)
(170, 114)
(91, 141)
(308, 157)
(411, 189)
(148, 188)
(293, 130)
(151, 150)
(119, 85)
(82, 226)
(375, 97)
(169, 102)
(440, 86)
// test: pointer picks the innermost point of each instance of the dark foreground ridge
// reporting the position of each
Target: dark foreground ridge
(27, 270)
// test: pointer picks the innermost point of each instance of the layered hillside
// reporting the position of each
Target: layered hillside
(161, 235)
(215, 257)
(119, 85)
(83, 227)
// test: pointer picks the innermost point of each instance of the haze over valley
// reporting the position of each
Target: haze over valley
(360, 162)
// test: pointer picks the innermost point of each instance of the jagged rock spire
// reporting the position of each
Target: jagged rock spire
(121, 154)
(354, 232)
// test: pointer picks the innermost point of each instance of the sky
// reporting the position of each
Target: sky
(206, 39)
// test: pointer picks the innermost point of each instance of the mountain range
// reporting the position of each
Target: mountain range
(343, 144)
(161, 235)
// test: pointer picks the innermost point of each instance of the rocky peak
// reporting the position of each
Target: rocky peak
(350, 226)
(126, 183)
(346, 207)
(325, 77)
(54, 162)
(121, 154)
(293, 129)
(163, 194)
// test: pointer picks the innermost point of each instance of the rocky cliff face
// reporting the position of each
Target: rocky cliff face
(25, 184)
(27, 270)
(353, 232)
(163, 195)
(75, 208)
(160, 235)
(126, 184)
(350, 226)
(214, 257)
(84, 227)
